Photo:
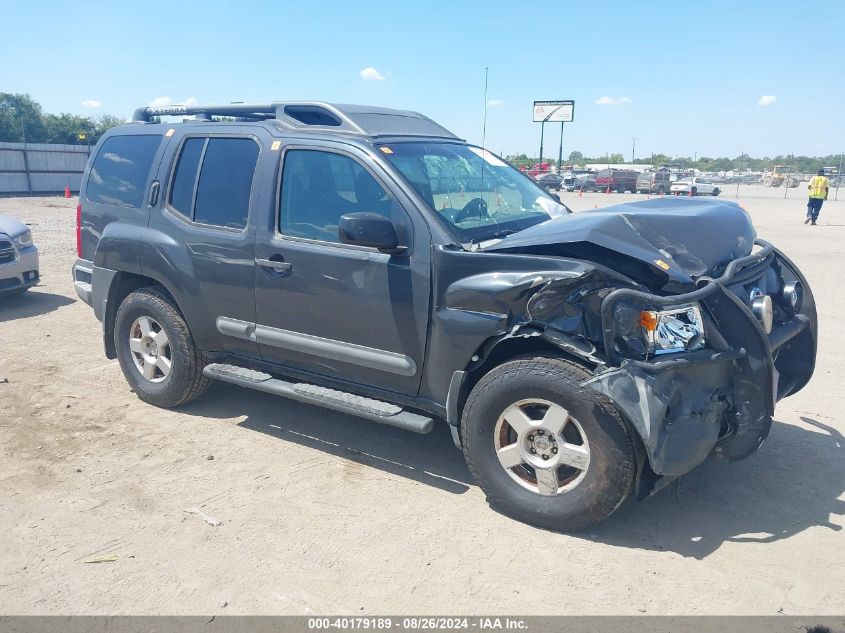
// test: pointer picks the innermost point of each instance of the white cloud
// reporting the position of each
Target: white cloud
(163, 102)
(91, 103)
(612, 100)
(767, 100)
(495, 103)
(371, 74)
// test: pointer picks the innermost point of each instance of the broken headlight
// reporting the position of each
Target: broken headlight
(674, 330)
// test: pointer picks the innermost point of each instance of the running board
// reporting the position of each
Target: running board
(375, 410)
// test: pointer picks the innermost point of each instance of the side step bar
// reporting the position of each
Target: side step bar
(375, 410)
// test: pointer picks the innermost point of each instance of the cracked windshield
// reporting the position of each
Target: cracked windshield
(480, 195)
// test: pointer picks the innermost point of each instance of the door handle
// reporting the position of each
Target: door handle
(270, 263)
(154, 193)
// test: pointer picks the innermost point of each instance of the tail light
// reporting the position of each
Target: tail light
(79, 230)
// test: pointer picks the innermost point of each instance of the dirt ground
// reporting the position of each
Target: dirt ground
(324, 513)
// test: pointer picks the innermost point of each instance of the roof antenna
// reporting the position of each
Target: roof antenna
(483, 142)
(484, 125)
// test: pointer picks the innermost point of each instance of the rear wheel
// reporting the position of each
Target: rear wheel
(543, 448)
(156, 351)
(694, 191)
(661, 190)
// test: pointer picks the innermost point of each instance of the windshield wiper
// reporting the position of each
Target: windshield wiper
(493, 236)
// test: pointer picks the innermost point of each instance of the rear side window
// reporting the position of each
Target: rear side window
(182, 192)
(221, 196)
(119, 173)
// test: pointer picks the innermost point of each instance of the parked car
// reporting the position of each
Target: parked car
(695, 186)
(576, 359)
(548, 181)
(618, 180)
(654, 182)
(18, 257)
(579, 180)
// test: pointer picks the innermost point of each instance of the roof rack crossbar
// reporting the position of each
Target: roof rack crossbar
(263, 110)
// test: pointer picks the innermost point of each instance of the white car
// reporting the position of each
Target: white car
(698, 186)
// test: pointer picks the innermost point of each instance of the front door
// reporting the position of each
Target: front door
(346, 312)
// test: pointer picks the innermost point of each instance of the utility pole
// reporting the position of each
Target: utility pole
(560, 150)
(788, 177)
(838, 177)
(741, 156)
(633, 149)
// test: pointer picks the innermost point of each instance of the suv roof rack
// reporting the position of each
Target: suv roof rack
(314, 116)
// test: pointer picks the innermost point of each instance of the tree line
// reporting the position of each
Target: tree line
(21, 119)
(744, 162)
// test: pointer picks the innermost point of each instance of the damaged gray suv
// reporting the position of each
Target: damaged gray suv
(368, 261)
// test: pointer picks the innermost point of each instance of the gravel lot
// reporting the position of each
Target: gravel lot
(325, 513)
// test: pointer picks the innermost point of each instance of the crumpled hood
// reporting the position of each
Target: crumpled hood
(679, 238)
(10, 226)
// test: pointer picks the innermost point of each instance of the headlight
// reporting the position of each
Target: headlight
(675, 330)
(23, 240)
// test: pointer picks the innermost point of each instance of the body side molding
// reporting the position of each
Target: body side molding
(382, 360)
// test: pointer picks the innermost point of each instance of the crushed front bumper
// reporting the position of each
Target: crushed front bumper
(19, 270)
(717, 401)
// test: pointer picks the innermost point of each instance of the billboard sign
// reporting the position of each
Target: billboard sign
(554, 111)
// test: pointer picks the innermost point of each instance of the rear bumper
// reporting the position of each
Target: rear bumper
(83, 274)
(20, 274)
(718, 401)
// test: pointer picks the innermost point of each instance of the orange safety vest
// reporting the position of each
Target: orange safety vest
(818, 187)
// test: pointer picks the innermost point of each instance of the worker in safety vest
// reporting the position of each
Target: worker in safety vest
(819, 186)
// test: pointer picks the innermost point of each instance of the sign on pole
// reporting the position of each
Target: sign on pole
(554, 111)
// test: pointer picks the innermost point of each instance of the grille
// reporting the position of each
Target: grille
(7, 252)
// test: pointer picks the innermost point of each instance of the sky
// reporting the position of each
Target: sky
(706, 78)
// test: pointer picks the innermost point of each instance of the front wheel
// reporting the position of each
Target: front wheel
(544, 449)
(716, 191)
(156, 351)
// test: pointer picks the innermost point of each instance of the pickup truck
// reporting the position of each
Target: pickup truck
(369, 261)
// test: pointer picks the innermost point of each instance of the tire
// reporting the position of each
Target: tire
(169, 384)
(540, 386)
(716, 191)
(620, 189)
(694, 191)
(661, 190)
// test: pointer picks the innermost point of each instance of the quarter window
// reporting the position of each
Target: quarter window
(226, 169)
(319, 187)
(119, 174)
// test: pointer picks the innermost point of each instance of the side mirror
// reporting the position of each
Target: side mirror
(369, 229)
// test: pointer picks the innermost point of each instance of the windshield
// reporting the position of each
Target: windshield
(478, 194)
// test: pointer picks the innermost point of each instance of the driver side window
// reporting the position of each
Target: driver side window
(318, 187)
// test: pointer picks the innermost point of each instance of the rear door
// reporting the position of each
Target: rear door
(206, 219)
(346, 312)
